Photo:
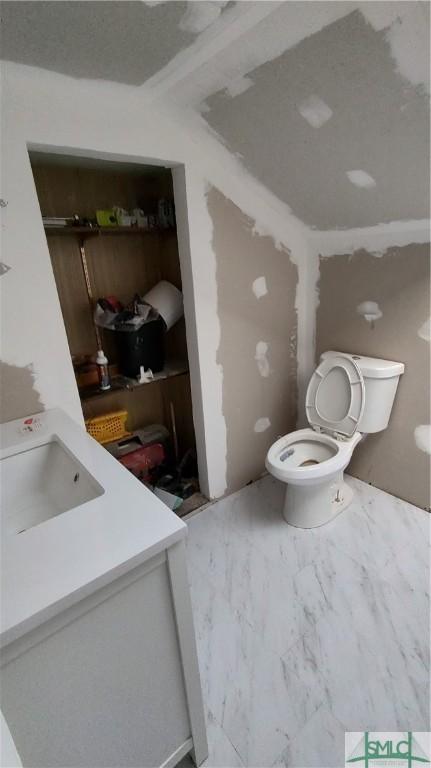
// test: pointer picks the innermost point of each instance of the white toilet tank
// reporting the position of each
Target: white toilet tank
(381, 379)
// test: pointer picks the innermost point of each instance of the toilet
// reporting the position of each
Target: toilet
(348, 397)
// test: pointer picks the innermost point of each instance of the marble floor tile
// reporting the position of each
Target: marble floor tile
(302, 634)
(256, 512)
(221, 753)
(376, 527)
(284, 605)
(254, 694)
(319, 744)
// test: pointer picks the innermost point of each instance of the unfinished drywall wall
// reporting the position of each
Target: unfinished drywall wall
(37, 368)
(39, 112)
(256, 289)
(18, 396)
(397, 284)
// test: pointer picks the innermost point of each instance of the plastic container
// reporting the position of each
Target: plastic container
(141, 347)
(109, 427)
(102, 370)
(168, 301)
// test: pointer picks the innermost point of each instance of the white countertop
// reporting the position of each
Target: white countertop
(55, 564)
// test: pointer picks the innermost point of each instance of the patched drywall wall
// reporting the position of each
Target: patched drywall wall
(39, 112)
(332, 127)
(18, 395)
(256, 290)
(36, 370)
(395, 289)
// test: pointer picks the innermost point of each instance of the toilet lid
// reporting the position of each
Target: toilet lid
(336, 396)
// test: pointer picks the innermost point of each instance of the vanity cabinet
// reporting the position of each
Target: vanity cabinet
(109, 682)
(98, 654)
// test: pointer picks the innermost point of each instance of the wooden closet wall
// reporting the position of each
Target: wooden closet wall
(118, 265)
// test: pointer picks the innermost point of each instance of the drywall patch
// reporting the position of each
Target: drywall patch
(409, 41)
(3, 268)
(262, 424)
(361, 179)
(18, 395)
(261, 358)
(199, 16)
(239, 85)
(406, 27)
(424, 331)
(370, 311)
(315, 111)
(423, 437)
(259, 287)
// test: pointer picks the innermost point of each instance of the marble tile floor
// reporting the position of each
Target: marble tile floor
(303, 635)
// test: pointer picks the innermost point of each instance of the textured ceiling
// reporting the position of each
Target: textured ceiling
(373, 121)
(125, 42)
(323, 101)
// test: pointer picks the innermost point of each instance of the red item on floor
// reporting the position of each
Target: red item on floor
(143, 460)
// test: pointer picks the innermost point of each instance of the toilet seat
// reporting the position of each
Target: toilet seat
(335, 397)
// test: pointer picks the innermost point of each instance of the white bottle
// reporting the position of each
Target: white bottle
(102, 370)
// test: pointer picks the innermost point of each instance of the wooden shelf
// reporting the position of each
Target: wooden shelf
(94, 231)
(123, 383)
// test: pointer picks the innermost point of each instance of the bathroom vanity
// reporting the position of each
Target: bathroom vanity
(98, 654)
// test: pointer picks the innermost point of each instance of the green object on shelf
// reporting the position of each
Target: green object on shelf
(106, 218)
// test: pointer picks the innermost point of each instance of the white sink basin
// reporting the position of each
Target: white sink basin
(40, 483)
(65, 538)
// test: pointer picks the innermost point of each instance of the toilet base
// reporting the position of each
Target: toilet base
(308, 506)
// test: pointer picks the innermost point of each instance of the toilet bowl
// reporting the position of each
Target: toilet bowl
(345, 392)
(312, 464)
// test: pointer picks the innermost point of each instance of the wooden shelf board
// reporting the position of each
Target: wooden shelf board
(94, 231)
(123, 383)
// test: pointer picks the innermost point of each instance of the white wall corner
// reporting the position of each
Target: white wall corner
(307, 300)
(203, 335)
(189, 292)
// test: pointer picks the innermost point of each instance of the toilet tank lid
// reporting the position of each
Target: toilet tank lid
(371, 367)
